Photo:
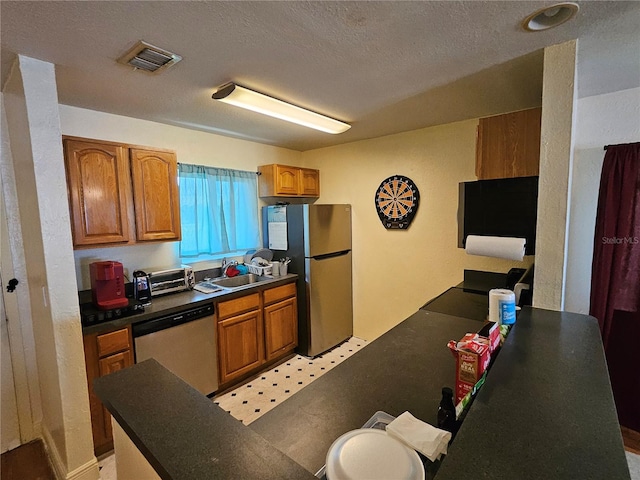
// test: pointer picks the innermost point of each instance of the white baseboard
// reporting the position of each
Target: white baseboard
(88, 471)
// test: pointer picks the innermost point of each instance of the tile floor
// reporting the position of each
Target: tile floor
(256, 397)
(107, 466)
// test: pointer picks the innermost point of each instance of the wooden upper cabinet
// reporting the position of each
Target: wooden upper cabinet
(99, 192)
(309, 182)
(105, 180)
(287, 181)
(509, 145)
(155, 193)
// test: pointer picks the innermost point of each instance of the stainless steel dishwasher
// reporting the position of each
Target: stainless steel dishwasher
(184, 343)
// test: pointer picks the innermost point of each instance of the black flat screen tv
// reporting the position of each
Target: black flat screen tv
(506, 207)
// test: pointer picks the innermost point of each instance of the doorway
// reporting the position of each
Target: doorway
(10, 437)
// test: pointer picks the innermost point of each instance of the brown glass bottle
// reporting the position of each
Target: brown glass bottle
(447, 411)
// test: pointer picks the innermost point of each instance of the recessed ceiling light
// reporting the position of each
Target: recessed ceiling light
(550, 16)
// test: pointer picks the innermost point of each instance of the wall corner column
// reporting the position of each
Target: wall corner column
(33, 124)
(559, 95)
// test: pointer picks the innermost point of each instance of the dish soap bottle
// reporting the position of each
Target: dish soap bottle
(447, 411)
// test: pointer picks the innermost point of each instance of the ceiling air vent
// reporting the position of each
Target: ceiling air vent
(144, 56)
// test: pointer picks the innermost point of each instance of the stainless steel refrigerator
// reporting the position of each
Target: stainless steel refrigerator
(317, 238)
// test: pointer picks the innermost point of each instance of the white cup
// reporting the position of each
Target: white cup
(275, 269)
(284, 267)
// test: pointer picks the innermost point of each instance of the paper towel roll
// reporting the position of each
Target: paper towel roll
(500, 247)
(502, 306)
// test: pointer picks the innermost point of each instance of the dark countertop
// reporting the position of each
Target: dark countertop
(546, 410)
(481, 282)
(460, 303)
(171, 303)
(403, 370)
(183, 434)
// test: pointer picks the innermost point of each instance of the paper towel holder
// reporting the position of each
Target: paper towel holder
(515, 198)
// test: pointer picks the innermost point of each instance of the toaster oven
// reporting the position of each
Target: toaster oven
(171, 280)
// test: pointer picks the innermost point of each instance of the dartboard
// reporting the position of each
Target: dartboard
(397, 201)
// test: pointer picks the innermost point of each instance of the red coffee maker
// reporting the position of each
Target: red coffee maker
(107, 285)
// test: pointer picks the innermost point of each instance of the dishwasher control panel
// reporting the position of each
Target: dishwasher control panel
(172, 320)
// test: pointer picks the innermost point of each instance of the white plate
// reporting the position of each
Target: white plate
(374, 455)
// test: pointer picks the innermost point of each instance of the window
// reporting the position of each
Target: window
(218, 210)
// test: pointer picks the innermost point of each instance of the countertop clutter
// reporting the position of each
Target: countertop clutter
(168, 304)
(545, 411)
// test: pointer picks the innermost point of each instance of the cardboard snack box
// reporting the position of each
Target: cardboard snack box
(473, 355)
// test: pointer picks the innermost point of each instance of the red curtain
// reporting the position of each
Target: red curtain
(615, 277)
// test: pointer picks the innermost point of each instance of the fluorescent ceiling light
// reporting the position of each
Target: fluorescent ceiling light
(258, 102)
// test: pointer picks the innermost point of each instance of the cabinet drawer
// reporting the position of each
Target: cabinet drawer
(113, 342)
(279, 293)
(239, 305)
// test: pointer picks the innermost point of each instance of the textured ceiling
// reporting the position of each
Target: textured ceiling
(384, 67)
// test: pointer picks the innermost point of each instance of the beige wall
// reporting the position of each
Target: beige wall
(556, 162)
(396, 272)
(192, 146)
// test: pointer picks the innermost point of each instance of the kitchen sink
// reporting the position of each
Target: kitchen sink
(238, 281)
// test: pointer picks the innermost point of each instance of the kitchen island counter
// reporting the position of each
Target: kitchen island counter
(403, 370)
(184, 435)
(545, 411)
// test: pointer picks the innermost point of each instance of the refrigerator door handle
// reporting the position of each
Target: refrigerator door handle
(331, 255)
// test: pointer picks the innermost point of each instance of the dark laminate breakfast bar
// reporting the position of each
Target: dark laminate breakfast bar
(182, 434)
(403, 370)
(545, 411)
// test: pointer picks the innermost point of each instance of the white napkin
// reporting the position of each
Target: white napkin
(426, 439)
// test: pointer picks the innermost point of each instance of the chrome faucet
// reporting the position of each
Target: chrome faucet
(226, 264)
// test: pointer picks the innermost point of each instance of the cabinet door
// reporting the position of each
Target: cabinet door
(117, 343)
(281, 328)
(155, 194)
(99, 192)
(509, 145)
(108, 365)
(240, 345)
(115, 362)
(309, 182)
(287, 180)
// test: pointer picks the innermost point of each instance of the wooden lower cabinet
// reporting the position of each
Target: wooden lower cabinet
(280, 328)
(240, 345)
(104, 354)
(254, 331)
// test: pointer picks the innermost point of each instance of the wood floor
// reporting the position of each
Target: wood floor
(631, 440)
(27, 462)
